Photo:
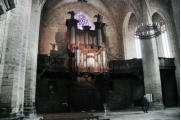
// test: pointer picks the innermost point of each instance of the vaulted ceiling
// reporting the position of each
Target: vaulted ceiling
(113, 6)
(113, 12)
(54, 15)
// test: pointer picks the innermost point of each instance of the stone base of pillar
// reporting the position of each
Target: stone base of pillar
(156, 106)
(6, 114)
(30, 112)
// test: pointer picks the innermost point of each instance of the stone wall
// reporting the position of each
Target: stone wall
(12, 97)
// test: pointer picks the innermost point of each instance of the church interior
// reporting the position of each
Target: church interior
(67, 58)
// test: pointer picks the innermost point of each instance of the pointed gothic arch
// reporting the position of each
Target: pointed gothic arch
(131, 42)
(163, 41)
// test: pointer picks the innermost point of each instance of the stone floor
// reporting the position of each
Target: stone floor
(166, 114)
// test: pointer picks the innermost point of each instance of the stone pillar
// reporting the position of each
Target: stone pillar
(152, 80)
(31, 60)
(13, 77)
(4, 21)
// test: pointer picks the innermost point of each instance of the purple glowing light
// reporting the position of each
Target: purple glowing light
(83, 21)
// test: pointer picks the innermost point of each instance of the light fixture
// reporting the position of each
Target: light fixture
(148, 31)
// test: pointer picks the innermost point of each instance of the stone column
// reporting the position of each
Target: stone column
(31, 60)
(4, 21)
(152, 80)
(12, 97)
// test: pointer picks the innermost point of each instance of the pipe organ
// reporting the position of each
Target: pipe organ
(86, 47)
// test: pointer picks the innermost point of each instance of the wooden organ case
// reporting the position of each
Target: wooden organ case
(87, 47)
(87, 58)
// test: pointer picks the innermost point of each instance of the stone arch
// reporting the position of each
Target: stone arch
(98, 4)
(163, 47)
(129, 26)
(56, 24)
(163, 15)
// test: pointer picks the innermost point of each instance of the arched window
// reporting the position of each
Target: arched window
(164, 36)
(163, 45)
(138, 47)
(132, 47)
(83, 21)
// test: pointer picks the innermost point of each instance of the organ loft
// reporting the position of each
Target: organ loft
(87, 50)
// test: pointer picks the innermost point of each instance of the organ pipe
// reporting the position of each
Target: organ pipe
(99, 37)
(72, 38)
(87, 47)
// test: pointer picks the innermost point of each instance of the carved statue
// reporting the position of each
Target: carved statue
(53, 45)
(99, 17)
(72, 13)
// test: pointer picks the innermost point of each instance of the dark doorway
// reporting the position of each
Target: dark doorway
(84, 98)
(169, 88)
